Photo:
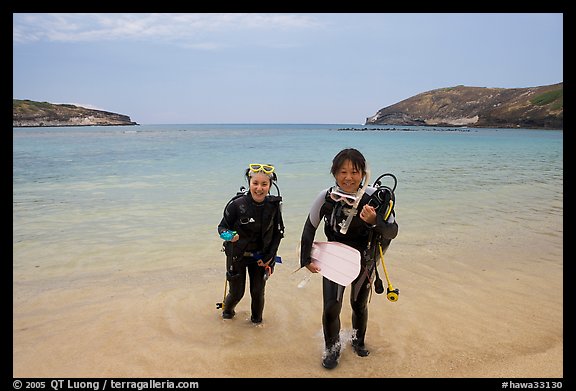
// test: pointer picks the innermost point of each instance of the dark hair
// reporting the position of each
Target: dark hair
(352, 154)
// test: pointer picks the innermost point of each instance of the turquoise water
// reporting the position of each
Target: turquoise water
(101, 197)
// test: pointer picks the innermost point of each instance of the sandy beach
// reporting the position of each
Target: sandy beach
(452, 320)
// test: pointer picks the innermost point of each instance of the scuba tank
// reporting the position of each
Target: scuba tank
(383, 200)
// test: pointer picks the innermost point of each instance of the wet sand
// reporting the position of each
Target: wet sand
(500, 316)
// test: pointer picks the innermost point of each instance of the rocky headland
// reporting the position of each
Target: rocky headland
(27, 113)
(479, 107)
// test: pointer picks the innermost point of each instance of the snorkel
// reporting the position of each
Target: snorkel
(354, 210)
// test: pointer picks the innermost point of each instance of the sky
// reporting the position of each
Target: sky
(294, 68)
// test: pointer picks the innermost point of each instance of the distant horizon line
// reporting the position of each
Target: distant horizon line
(250, 123)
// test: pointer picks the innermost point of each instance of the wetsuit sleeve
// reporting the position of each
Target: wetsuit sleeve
(310, 226)
(228, 218)
(277, 236)
(389, 228)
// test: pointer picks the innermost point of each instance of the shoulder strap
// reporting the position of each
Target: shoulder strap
(243, 191)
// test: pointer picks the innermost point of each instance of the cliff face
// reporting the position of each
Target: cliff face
(26, 113)
(534, 107)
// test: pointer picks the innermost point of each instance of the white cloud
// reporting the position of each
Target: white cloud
(192, 30)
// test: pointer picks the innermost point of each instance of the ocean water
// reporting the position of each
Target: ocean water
(95, 197)
(108, 204)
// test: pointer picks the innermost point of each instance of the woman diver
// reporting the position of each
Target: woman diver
(252, 228)
(343, 223)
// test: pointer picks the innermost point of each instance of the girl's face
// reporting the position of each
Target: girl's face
(259, 186)
(348, 178)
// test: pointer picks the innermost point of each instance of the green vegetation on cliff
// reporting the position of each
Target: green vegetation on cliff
(533, 108)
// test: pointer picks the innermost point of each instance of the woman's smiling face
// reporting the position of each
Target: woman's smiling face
(259, 186)
(348, 178)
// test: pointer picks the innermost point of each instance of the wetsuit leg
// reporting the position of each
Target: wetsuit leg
(257, 285)
(236, 276)
(359, 306)
(332, 294)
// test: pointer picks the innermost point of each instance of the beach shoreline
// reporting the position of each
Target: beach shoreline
(164, 323)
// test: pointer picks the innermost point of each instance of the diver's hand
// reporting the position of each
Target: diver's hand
(368, 214)
(270, 262)
(312, 267)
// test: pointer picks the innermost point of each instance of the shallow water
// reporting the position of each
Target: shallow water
(117, 265)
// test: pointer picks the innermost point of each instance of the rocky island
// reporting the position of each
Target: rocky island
(532, 108)
(472, 107)
(27, 113)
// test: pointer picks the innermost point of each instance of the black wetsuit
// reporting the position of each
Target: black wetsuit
(358, 236)
(260, 228)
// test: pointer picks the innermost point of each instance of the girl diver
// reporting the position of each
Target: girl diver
(252, 228)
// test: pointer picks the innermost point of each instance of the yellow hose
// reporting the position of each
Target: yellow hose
(390, 205)
(221, 305)
(392, 294)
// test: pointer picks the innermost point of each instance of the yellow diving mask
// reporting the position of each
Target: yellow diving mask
(265, 168)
